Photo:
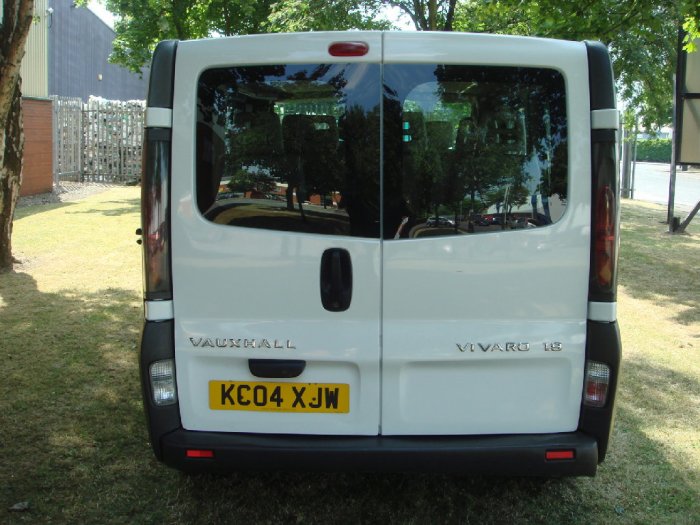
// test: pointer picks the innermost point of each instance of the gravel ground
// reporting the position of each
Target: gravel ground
(65, 192)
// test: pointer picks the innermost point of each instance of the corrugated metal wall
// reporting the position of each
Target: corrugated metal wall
(79, 48)
(35, 64)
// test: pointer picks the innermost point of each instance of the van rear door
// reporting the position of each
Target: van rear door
(486, 251)
(275, 235)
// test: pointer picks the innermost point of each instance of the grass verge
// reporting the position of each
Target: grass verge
(72, 433)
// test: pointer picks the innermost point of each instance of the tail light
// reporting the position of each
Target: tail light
(605, 221)
(155, 215)
(605, 242)
(597, 381)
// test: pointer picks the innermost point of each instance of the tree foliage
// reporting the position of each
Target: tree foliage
(142, 24)
(430, 15)
(642, 36)
(323, 15)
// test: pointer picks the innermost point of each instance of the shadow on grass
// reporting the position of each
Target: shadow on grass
(659, 267)
(126, 207)
(74, 444)
(34, 209)
(71, 422)
(638, 483)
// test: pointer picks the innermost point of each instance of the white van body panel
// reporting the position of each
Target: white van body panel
(216, 268)
(415, 302)
(521, 287)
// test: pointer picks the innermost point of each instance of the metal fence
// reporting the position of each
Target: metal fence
(100, 141)
(67, 138)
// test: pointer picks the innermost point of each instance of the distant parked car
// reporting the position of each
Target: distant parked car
(439, 221)
(480, 220)
(525, 222)
(493, 220)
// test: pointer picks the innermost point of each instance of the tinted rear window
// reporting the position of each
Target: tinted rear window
(290, 147)
(472, 149)
(466, 149)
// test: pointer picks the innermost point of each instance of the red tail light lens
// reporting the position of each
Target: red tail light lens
(348, 49)
(155, 216)
(605, 241)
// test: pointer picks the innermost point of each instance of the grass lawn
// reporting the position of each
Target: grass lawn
(73, 439)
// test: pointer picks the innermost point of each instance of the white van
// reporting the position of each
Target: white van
(381, 251)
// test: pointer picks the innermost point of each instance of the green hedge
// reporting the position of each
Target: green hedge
(654, 150)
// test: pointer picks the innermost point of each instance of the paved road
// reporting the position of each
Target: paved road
(651, 185)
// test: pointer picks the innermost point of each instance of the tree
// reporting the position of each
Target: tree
(324, 15)
(14, 26)
(430, 15)
(641, 36)
(142, 24)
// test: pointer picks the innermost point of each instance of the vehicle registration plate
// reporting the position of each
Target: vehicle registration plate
(279, 397)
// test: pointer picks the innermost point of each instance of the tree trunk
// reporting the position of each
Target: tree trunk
(12, 137)
(16, 19)
(449, 19)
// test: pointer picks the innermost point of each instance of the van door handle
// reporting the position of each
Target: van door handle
(336, 279)
(270, 368)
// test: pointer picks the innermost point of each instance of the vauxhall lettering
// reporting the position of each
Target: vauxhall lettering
(209, 342)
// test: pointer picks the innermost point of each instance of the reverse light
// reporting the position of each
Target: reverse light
(348, 49)
(597, 381)
(162, 375)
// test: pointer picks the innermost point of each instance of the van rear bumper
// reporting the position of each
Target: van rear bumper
(513, 455)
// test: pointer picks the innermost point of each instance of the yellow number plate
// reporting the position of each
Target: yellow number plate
(279, 397)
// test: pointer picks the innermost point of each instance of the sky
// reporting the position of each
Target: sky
(100, 11)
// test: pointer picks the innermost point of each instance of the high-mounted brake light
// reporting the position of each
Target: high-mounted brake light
(596, 384)
(348, 49)
(605, 241)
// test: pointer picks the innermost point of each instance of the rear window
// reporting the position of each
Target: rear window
(472, 149)
(465, 149)
(290, 148)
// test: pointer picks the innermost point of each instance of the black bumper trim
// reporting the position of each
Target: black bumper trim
(513, 455)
